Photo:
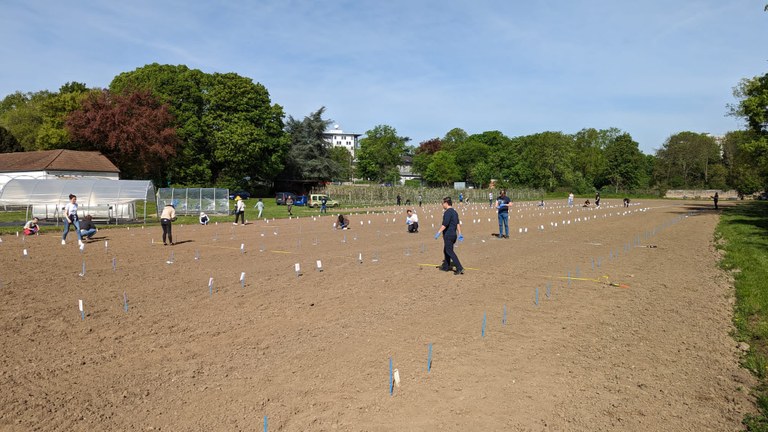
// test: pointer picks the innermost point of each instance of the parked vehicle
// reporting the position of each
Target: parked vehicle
(300, 200)
(280, 197)
(315, 200)
(242, 194)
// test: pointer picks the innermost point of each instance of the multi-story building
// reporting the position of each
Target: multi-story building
(338, 138)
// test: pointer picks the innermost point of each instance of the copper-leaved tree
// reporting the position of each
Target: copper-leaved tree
(133, 129)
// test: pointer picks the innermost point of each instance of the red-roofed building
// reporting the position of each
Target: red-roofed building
(53, 164)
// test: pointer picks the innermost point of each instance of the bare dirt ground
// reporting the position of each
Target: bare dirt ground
(312, 352)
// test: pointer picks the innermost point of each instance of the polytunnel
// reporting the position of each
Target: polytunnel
(106, 200)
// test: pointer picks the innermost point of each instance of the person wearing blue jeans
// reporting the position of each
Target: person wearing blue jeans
(70, 218)
(502, 204)
(87, 228)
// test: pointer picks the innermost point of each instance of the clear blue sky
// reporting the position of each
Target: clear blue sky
(651, 68)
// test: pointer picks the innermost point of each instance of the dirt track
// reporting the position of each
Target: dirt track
(312, 352)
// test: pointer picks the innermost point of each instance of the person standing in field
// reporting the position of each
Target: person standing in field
(716, 198)
(421, 198)
(289, 204)
(70, 218)
(260, 207)
(502, 204)
(167, 217)
(490, 199)
(323, 204)
(597, 199)
(239, 210)
(570, 199)
(451, 230)
(399, 199)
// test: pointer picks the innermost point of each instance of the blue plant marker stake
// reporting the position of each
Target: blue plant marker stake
(578, 272)
(210, 286)
(242, 280)
(504, 316)
(536, 301)
(482, 332)
(549, 292)
(125, 301)
(598, 263)
(429, 358)
(391, 379)
(593, 263)
(83, 272)
(265, 423)
(114, 264)
(569, 278)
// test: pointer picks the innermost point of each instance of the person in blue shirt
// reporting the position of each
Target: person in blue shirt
(502, 204)
(451, 230)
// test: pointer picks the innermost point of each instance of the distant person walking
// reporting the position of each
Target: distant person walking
(399, 199)
(570, 199)
(239, 210)
(597, 199)
(451, 230)
(502, 205)
(490, 199)
(716, 198)
(421, 199)
(167, 217)
(70, 218)
(289, 204)
(260, 207)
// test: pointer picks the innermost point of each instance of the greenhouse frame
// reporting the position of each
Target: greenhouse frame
(106, 200)
(188, 201)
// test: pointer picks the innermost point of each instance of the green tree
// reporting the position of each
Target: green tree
(482, 173)
(381, 152)
(624, 163)
(423, 154)
(443, 169)
(454, 138)
(22, 115)
(8, 143)
(685, 158)
(309, 156)
(245, 130)
(468, 154)
(545, 160)
(343, 159)
(229, 129)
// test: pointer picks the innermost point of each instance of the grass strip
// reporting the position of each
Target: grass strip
(743, 235)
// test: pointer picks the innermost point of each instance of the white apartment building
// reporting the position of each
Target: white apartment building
(338, 138)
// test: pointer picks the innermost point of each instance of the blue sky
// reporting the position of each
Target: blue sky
(651, 68)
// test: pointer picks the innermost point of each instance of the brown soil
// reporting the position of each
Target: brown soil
(312, 352)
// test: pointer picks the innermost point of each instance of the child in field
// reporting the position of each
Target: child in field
(31, 227)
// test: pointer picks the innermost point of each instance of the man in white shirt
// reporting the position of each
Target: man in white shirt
(412, 220)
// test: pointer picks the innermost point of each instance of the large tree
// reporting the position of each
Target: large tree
(134, 130)
(8, 143)
(443, 169)
(381, 153)
(309, 155)
(685, 160)
(624, 163)
(230, 130)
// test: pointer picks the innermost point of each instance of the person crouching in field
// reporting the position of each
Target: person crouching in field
(343, 222)
(31, 227)
(87, 228)
(204, 219)
(626, 202)
(412, 220)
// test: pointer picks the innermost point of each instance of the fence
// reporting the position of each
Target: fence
(365, 195)
(194, 200)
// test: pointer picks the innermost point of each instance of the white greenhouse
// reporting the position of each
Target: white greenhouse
(106, 200)
(189, 201)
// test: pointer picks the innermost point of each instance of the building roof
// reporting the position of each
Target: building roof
(56, 160)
